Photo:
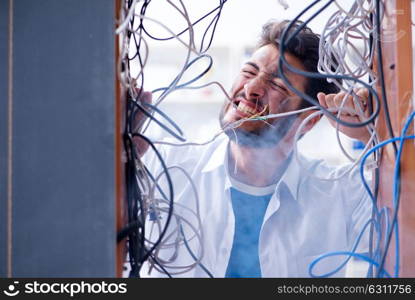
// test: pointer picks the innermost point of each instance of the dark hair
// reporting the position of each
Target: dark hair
(305, 47)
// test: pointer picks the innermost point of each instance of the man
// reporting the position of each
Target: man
(261, 215)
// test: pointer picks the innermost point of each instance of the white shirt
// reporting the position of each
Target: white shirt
(305, 218)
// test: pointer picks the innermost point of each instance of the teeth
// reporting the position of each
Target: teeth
(246, 109)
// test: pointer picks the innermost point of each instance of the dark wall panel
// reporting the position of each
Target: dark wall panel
(4, 19)
(63, 138)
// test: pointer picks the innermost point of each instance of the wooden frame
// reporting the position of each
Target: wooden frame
(397, 60)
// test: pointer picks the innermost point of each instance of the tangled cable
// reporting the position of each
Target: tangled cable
(341, 61)
(361, 22)
(146, 199)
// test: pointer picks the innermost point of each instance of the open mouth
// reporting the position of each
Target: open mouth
(248, 108)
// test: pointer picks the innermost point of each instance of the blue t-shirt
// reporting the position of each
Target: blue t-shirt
(249, 211)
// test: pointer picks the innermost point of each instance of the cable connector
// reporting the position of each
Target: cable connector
(153, 214)
(371, 165)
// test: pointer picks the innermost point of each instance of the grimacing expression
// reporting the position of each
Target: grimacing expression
(259, 91)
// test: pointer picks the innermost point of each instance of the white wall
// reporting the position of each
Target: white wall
(237, 32)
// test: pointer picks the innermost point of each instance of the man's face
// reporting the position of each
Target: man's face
(258, 91)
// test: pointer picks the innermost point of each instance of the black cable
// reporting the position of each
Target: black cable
(150, 116)
(164, 115)
(140, 27)
(282, 61)
(219, 7)
(193, 255)
(163, 195)
(132, 226)
(126, 230)
(132, 193)
(188, 65)
(134, 112)
(183, 31)
(215, 22)
(135, 228)
(176, 80)
(171, 193)
(170, 89)
(136, 237)
(285, 41)
(136, 223)
(161, 266)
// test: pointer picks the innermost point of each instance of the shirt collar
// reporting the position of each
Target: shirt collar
(290, 178)
(218, 160)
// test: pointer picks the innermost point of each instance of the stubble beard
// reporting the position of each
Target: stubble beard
(267, 136)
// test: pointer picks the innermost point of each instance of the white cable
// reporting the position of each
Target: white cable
(127, 19)
(235, 125)
(198, 232)
(297, 137)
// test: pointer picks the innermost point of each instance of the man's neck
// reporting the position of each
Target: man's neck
(257, 166)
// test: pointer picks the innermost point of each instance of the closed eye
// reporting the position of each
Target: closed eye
(248, 73)
(279, 87)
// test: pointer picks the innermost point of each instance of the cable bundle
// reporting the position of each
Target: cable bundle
(362, 21)
(148, 201)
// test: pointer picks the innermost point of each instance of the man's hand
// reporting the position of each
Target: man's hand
(335, 100)
(139, 120)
